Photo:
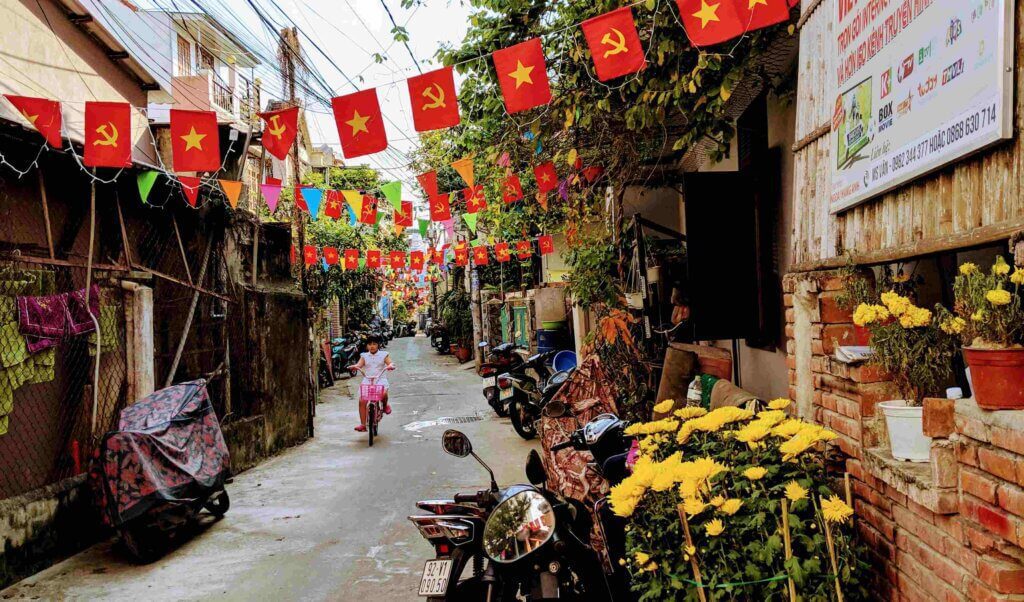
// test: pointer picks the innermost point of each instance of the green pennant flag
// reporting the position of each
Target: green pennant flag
(362, 262)
(424, 226)
(146, 180)
(470, 220)
(393, 191)
(476, 243)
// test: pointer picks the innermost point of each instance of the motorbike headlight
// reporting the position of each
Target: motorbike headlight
(518, 526)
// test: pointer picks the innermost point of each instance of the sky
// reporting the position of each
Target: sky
(350, 31)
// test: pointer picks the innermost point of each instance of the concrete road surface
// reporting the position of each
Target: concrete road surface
(325, 520)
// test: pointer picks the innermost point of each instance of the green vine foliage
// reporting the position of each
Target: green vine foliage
(592, 278)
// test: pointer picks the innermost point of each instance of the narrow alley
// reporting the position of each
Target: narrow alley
(325, 520)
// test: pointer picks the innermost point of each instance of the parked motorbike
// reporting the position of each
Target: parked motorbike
(439, 339)
(324, 371)
(524, 394)
(501, 358)
(606, 440)
(165, 463)
(523, 543)
(345, 352)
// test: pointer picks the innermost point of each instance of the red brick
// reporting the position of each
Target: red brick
(1011, 499)
(1007, 439)
(999, 463)
(997, 522)
(835, 335)
(925, 531)
(848, 407)
(944, 465)
(828, 401)
(787, 300)
(790, 316)
(961, 554)
(868, 373)
(830, 311)
(885, 527)
(1002, 576)
(979, 540)
(978, 484)
(939, 418)
(979, 592)
(831, 282)
(816, 347)
(895, 496)
(975, 429)
(967, 453)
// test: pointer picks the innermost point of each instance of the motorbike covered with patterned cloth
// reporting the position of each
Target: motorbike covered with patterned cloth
(166, 461)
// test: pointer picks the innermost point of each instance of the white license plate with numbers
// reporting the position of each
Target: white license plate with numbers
(435, 577)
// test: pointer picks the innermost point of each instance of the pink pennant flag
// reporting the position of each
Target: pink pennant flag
(271, 193)
(449, 228)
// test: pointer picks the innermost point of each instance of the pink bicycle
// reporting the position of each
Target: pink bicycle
(373, 395)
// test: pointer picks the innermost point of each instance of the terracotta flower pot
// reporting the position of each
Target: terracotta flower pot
(462, 353)
(997, 377)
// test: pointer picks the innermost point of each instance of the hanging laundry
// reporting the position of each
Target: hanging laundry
(46, 320)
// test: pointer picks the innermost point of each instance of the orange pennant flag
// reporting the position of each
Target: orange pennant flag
(465, 169)
(232, 190)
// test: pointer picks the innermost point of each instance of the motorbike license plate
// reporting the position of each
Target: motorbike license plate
(435, 577)
(506, 393)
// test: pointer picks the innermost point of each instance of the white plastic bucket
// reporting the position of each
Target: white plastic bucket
(906, 431)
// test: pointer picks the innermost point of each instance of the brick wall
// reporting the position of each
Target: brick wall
(950, 529)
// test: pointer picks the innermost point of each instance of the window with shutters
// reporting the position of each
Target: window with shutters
(184, 57)
(205, 59)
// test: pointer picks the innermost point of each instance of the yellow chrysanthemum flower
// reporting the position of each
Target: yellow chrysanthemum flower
(1017, 277)
(690, 412)
(998, 297)
(717, 501)
(1000, 267)
(979, 316)
(954, 325)
(664, 406)
(752, 433)
(866, 314)
(968, 268)
(901, 277)
(895, 303)
(755, 473)
(835, 510)
(779, 404)
(714, 528)
(771, 417)
(794, 492)
(665, 425)
(713, 421)
(915, 317)
(642, 558)
(693, 506)
(788, 428)
(731, 506)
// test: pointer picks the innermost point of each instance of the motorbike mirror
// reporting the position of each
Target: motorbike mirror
(482, 344)
(535, 472)
(456, 443)
(555, 409)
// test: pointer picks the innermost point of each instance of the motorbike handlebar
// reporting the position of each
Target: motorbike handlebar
(563, 445)
(466, 498)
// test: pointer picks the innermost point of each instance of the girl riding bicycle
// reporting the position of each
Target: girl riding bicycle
(373, 363)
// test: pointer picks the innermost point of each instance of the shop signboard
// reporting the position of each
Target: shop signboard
(917, 85)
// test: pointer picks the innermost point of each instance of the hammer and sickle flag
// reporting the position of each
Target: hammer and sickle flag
(368, 210)
(403, 217)
(360, 123)
(546, 244)
(614, 44)
(434, 101)
(108, 134)
(512, 189)
(440, 207)
(524, 249)
(280, 132)
(195, 142)
(44, 115)
(523, 76)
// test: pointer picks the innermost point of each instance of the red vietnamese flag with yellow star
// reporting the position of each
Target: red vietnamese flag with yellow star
(351, 259)
(614, 44)
(332, 204)
(513, 189)
(435, 103)
(475, 199)
(756, 14)
(501, 252)
(480, 255)
(195, 141)
(281, 130)
(709, 22)
(331, 255)
(108, 134)
(44, 115)
(524, 249)
(373, 258)
(546, 176)
(437, 255)
(416, 260)
(523, 76)
(309, 254)
(440, 208)
(397, 260)
(360, 123)
(461, 254)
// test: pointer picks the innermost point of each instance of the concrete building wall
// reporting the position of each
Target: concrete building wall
(45, 55)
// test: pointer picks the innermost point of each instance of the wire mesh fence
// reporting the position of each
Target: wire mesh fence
(64, 365)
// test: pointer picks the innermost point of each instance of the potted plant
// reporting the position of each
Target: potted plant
(916, 346)
(457, 317)
(990, 321)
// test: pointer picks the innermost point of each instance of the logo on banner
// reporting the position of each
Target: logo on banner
(928, 86)
(952, 72)
(954, 31)
(906, 69)
(924, 53)
(905, 106)
(885, 117)
(886, 82)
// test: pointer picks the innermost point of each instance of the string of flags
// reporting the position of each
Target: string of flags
(458, 254)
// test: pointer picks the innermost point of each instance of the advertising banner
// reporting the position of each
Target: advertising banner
(917, 84)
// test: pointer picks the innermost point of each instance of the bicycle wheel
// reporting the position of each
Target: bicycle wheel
(371, 420)
(378, 414)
